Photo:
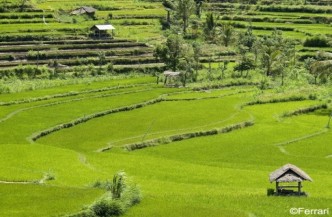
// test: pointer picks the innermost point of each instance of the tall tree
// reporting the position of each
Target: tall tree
(247, 40)
(210, 27)
(184, 9)
(199, 4)
(321, 66)
(197, 50)
(270, 49)
(246, 64)
(187, 63)
(277, 54)
(227, 34)
(171, 52)
(23, 3)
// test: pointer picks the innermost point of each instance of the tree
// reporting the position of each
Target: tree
(199, 4)
(197, 49)
(270, 49)
(171, 52)
(186, 63)
(246, 64)
(23, 3)
(321, 66)
(210, 27)
(227, 34)
(247, 40)
(277, 54)
(184, 9)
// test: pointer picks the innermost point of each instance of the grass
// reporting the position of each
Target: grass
(221, 175)
(75, 109)
(16, 200)
(150, 122)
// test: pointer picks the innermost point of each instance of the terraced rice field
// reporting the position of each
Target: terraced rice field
(70, 53)
(224, 173)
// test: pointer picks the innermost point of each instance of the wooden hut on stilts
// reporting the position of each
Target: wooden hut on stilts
(289, 174)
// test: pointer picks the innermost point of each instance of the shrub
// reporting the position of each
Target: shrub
(270, 191)
(316, 41)
(107, 208)
(118, 185)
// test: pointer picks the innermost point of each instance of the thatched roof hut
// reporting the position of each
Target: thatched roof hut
(288, 173)
(170, 76)
(102, 29)
(84, 10)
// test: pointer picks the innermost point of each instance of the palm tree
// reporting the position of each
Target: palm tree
(321, 66)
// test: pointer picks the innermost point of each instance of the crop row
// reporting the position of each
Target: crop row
(269, 8)
(72, 46)
(300, 20)
(62, 42)
(125, 60)
(179, 137)
(271, 27)
(305, 110)
(36, 37)
(89, 117)
(69, 94)
(79, 54)
(231, 83)
(27, 21)
(24, 15)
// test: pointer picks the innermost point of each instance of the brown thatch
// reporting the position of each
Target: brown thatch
(83, 10)
(289, 173)
(171, 74)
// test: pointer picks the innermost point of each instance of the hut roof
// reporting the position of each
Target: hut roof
(83, 10)
(170, 73)
(103, 27)
(289, 173)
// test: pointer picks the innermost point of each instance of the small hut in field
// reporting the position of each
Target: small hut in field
(102, 31)
(289, 174)
(171, 77)
(84, 10)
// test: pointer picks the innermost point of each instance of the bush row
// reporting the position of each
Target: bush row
(277, 100)
(127, 60)
(267, 19)
(209, 97)
(36, 37)
(23, 21)
(92, 116)
(72, 93)
(69, 101)
(67, 40)
(25, 16)
(300, 9)
(305, 110)
(283, 28)
(42, 55)
(135, 16)
(317, 41)
(179, 137)
(227, 84)
(73, 46)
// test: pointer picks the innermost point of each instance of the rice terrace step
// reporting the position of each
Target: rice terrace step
(182, 108)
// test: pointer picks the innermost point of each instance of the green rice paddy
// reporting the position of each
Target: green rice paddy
(217, 175)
